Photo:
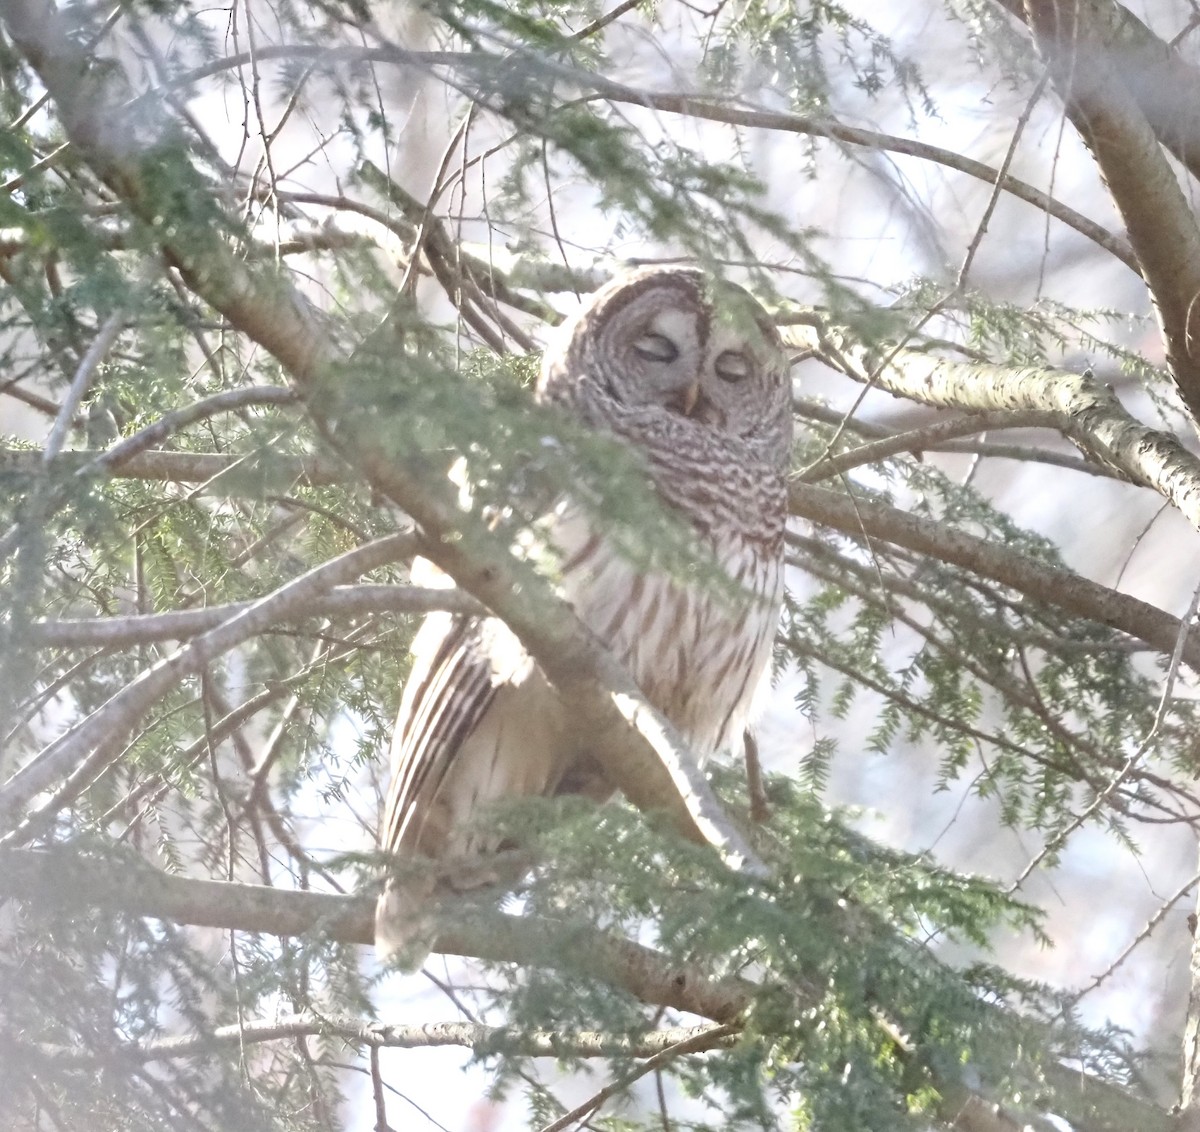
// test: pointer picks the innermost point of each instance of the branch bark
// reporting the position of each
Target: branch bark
(1074, 38)
(482, 1040)
(1084, 411)
(1165, 86)
(178, 625)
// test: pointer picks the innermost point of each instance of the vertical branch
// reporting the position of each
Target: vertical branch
(1189, 1101)
(1090, 78)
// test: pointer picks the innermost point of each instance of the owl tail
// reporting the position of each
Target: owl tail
(407, 912)
(405, 929)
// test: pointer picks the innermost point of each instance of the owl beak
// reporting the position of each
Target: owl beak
(689, 397)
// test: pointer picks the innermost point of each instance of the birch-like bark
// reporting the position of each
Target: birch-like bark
(1085, 411)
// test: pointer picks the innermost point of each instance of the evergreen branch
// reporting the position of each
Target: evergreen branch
(178, 625)
(74, 760)
(156, 432)
(1070, 35)
(480, 1039)
(464, 277)
(1093, 772)
(834, 565)
(1087, 412)
(44, 503)
(1051, 586)
(66, 879)
(300, 241)
(137, 889)
(261, 304)
(453, 255)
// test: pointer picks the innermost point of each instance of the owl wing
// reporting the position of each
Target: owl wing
(450, 688)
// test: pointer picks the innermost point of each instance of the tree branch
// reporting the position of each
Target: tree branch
(64, 878)
(1070, 35)
(1051, 586)
(1085, 411)
(1165, 86)
(180, 467)
(178, 625)
(482, 1040)
(694, 106)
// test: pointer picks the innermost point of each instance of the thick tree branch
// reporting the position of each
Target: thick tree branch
(65, 879)
(1085, 411)
(1051, 586)
(1165, 86)
(1070, 34)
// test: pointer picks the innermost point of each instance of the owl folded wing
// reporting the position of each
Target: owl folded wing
(450, 688)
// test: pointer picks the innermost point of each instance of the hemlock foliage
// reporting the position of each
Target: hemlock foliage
(430, 187)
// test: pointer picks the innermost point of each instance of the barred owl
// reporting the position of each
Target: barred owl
(692, 375)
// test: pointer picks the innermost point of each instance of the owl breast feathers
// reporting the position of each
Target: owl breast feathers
(692, 375)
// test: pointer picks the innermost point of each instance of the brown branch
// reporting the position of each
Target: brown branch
(67, 880)
(808, 409)
(1165, 86)
(1071, 37)
(1052, 586)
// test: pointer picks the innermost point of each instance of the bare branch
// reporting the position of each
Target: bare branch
(356, 1032)
(339, 601)
(703, 107)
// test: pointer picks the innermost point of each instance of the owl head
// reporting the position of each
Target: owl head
(673, 352)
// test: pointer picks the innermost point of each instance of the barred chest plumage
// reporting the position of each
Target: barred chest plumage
(697, 649)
